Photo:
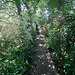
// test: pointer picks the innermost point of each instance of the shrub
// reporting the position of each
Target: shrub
(61, 42)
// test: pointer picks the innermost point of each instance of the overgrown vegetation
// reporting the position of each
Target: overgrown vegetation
(60, 39)
(18, 21)
(16, 42)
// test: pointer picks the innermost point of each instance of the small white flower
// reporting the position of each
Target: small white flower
(71, 12)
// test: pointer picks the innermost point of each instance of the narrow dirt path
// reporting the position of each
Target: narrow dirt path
(42, 63)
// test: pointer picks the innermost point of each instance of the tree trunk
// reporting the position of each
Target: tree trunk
(19, 8)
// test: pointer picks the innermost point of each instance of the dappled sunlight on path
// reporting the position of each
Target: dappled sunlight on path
(42, 63)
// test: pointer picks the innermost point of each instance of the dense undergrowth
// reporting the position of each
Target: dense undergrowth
(17, 43)
(19, 21)
(16, 52)
(60, 41)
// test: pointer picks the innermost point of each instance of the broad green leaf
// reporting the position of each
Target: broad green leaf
(52, 3)
(16, 2)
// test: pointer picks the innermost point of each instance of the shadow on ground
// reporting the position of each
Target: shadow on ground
(42, 63)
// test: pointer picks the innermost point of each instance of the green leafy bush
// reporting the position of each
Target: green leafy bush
(15, 57)
(16, 45)
(61, 43)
